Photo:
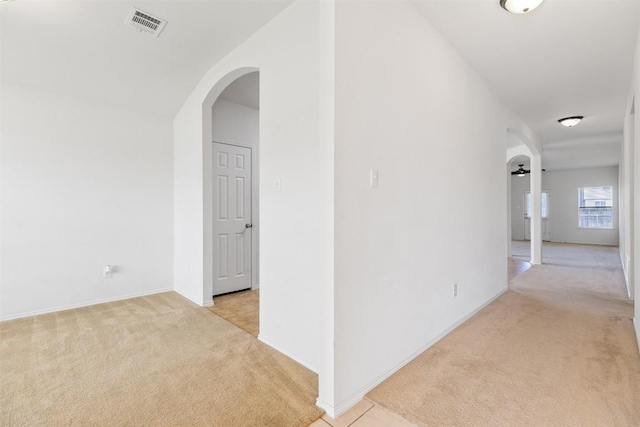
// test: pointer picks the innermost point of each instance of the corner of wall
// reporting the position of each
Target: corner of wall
(287, 353)
(192, 298)
(327, 408)
(335, 411)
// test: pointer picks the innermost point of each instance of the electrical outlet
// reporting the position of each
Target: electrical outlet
(455, 289)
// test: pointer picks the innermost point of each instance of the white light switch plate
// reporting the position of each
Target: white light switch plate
(374, 178)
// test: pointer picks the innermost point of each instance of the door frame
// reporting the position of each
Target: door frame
(255, 208)
(542, 218)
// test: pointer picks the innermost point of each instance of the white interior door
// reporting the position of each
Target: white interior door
(232, 225)
(546, 222)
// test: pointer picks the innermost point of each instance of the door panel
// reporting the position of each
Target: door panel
(232, 225)
(546, 221)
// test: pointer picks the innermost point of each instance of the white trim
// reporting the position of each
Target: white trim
(328, 409)
(347, 403)
(237, 144)
(83, 304)
(193, 300)
(255, 287)
(270, 343)
(624, 269)
(208, 304)
(596, 228)
(636, 325)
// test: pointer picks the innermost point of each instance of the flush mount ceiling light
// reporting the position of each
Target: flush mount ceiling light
(570, 121)
(5, 1)
(520, 6)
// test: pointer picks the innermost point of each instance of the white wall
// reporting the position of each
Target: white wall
(296, 239)
(563, 204)
(83, 185)
(1, 150)
(635, 87)
(401, 91)
(235, 123)
(631, 131)
(627, 226)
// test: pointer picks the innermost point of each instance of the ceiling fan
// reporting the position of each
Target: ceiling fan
(521, 171)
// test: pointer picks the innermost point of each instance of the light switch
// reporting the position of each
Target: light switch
(374, 178)
(107, 272)
(277, 185)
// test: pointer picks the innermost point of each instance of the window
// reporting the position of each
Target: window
(544, 203)
(595, 207)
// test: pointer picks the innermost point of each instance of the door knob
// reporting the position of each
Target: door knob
(248, 225)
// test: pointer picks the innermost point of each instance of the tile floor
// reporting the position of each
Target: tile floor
(363, 414)
(240, 308)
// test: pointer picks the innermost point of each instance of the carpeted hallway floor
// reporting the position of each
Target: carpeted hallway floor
(153, 361)
(558, 349)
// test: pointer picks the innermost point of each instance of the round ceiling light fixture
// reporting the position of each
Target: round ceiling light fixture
(520, 6)
(5, 1)
(570, 121)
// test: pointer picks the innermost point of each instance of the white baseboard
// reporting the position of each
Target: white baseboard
(83, 304)
(636, 325)
(286, 353)
(335, 411)
(200, 303)
(356, 397)
(328, 409)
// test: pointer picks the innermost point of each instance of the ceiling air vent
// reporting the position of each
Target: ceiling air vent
(144, 22)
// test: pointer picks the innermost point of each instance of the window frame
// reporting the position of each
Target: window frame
(581, 190)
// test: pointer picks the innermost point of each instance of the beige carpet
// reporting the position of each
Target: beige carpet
(558, 349)
(157, 360)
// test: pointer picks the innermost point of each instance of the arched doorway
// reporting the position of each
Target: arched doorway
(236, 222)
(208, 175)
(519, 249)
(519, 151)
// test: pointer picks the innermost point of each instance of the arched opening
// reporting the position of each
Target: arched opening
(231, 197)
(236, 222)
(519, 247)
(526, 216)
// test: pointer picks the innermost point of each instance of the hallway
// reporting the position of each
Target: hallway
(557, 349)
